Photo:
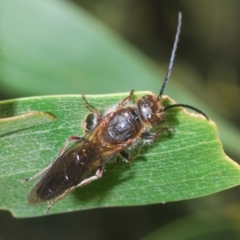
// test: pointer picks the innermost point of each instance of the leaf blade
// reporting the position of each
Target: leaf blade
(24, 121)
(167, 170)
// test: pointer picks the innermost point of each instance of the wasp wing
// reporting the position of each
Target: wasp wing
(72, 167)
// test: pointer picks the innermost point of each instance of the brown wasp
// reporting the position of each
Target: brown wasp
(107, 136)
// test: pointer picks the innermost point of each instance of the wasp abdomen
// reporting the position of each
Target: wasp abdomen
(63, 175)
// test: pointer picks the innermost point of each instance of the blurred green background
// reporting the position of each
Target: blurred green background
(64, 47)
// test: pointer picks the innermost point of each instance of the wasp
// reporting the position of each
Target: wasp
(107, 136)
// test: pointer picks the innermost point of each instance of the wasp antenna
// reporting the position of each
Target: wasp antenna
(186, 106)
(172, 55)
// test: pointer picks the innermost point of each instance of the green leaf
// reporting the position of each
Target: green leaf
(60, 48)
(186, 164)
(23, 121)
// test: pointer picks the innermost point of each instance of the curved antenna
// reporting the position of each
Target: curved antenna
(186, 106)
(172, 55)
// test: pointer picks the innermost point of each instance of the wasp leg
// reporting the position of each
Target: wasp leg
(36, 175)
(147, 136)
(126, 99)
(86, 181)
(90, 122)
(86, 104)
(126, 156)
(69, 140)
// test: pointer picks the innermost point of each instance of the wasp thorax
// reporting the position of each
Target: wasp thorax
(149, 109)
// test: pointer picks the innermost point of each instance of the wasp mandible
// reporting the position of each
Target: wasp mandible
(107, 136)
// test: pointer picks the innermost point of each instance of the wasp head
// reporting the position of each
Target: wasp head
(150, 109)
(149, 106)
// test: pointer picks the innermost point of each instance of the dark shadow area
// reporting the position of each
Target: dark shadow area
(95, 224)
(7, 109)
